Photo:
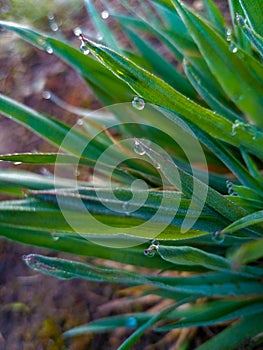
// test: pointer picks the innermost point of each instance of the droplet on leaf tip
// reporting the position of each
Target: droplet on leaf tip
(49, 50)
(77, 31)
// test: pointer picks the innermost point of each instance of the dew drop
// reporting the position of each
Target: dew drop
(41, 42)
(229, 34)
(84, 49)
(233, 48)
(99, 37)
(157, 165)
(218, 237)
(54, 26)
(49, 50)
(46, 95)
(131, 322)
(138, 148)
(17, 163)
(105, 14)
(55, 236)
(138, 103)
(32, 261)
(80, 122)
(77, 31)
(151, 251)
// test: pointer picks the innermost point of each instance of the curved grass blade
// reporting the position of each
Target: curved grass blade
(215, 16)
(219, 284)
(255, 39)
(251, 219)
(103, 31)
(237, 83)
(162, 67)
(254, 13)
(248, 252)
(156, 91)
(211, 313)
(235, 335)
(129, 342)
(108, 324)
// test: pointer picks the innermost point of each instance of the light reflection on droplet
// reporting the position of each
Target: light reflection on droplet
(105, 14)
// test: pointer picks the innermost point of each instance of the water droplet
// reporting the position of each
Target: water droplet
(77, 31)
(80, 122)
(151, 251)
(105, 14)
(138, 148)
(99, 37)
(46, 95)
(41, 42)
(131, 322)
(55, 236)
(233, 48)
(54, 26)
(49, 50)
(52, 22)
(138, 103)
(17, 163)
(84, 49)
(229, 34)
(157, 165)
(230, 190)
(218, 237)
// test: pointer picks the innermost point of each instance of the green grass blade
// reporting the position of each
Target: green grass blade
(213, 198)
(212, 313)
(101, 27)
(248, 252)
(251, 219)
(254, 13)
(215, 16)
(45, 158)
(162, 67)
(129, 342)
(108, 324)
(52, 130)
(255, 39)
(156, 91)
(223, 63)
(235, 335)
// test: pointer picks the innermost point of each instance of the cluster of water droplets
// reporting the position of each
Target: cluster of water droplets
(229, 38)
(53, 24)
(45, 45)
(83, 47)
(245, 126)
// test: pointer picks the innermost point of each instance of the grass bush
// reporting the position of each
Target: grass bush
(176, 167)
